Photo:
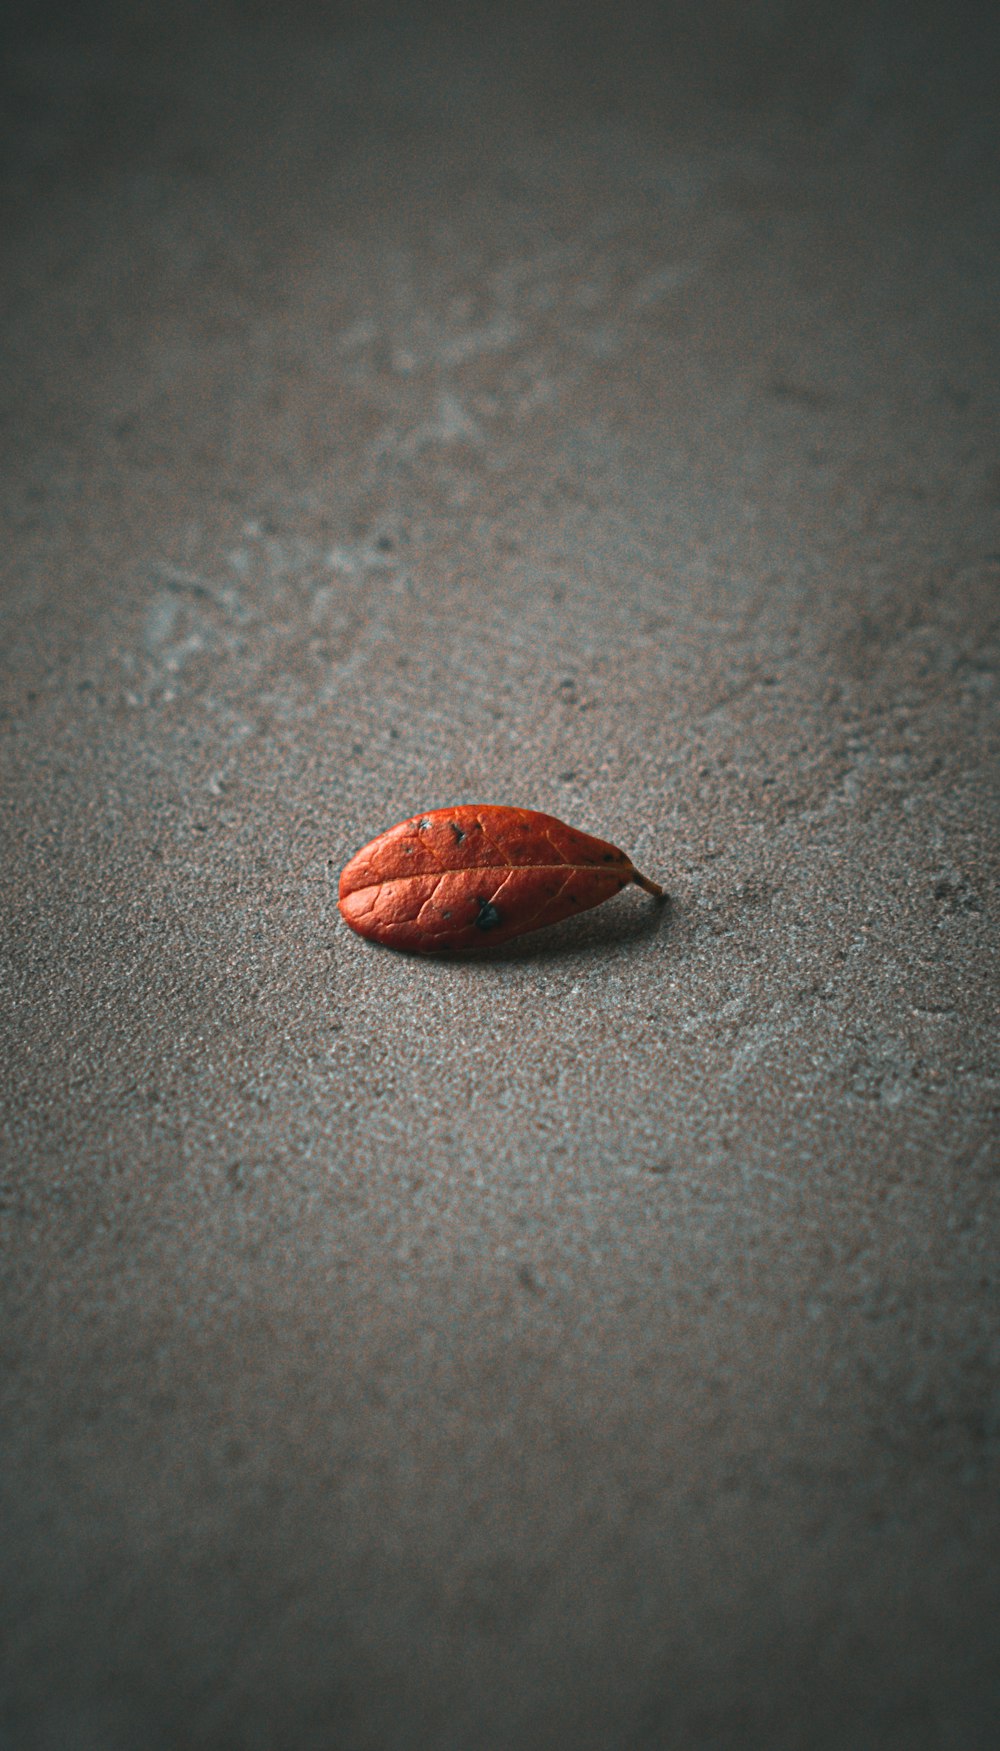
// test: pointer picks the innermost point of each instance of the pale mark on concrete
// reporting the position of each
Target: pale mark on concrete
(359, 334)
(350, 558)
(161, 618)
(662, 281)
(448, 425)
(490, 337)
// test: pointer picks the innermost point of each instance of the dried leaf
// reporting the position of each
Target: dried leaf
(469, 877)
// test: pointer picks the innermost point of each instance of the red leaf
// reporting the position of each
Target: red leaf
(470, 877)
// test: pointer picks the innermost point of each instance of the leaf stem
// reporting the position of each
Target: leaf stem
(650, 886)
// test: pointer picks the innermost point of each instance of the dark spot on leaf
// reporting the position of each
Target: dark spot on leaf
(424, 824)
(488, 917)
(609, 857)
(572, 898)
(458, 832)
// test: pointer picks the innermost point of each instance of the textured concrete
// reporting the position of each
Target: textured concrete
(596, 1346)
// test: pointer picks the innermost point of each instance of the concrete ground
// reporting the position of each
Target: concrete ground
(596, 1346)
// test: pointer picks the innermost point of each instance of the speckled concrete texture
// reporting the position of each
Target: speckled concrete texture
(598, 1345)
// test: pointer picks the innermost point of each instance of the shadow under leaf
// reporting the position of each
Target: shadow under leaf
(612, 926)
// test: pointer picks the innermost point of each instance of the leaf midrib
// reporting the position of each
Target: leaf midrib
(490, 868)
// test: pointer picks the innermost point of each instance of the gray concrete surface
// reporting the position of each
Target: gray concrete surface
(598, 1346)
